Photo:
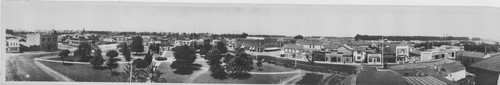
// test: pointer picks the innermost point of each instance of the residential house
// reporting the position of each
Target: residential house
(13, 46)
(487, 72)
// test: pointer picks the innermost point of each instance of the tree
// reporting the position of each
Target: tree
(125, 51)
(221, 46)
(298, 37)
(240, 65)
(97, 61)
(244, 35)
(111, 61)
(63, 54)
(206, 47)
(83, 52)
(185, 57)
(137, 44)
(148, 58)
(184, 52)
(9, 31)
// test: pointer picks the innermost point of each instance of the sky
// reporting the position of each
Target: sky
(312, 19)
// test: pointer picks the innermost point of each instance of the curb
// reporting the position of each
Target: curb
(56, 75)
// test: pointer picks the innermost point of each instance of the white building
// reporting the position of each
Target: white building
(12, 46)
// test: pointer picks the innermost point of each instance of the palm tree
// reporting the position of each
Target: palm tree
(241, 63)
(63, 54)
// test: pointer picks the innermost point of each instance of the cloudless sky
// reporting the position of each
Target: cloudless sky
(283, 19)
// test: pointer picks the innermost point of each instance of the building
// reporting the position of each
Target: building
(311, 45)
(374, 58)
(342, 54)
(359, 54)
(293, 51)
(259, 44)
(467, 57)
(402, 53)
(487, 71)
(42, 41)
(13, 46)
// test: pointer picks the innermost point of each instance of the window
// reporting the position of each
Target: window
(43, 39)
(359, 57)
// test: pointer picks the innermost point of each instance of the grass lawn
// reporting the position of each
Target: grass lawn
(255, 79)
(270, 68)
(83, 72)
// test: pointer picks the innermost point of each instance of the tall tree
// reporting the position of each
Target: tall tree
(83, 52)
(97, 61)
(124, 48)
(63, 54)
(111, 61)
(206, 47)
(298, 37)
(137, 44)
(241, 63)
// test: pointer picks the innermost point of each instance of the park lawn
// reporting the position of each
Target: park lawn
(255, 79)
(83, 72)
(170, 76)
(270, 68)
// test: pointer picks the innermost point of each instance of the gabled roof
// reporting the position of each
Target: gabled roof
(453, 67)
(491, 64)
(360, 48)
(292, 46)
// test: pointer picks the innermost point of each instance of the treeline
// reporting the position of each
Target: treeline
(242, 35)
(482, 48)
(401, 38)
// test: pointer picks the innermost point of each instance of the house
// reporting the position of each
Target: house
(359, 54)
(42, 41)
(467, 57)
(343, 54)
(293, 51)
(13, 46)
(402, 53)
(374, 58)
(487, 72)
(121, 38)
(454, 71)
(259, 43)
(311, 45)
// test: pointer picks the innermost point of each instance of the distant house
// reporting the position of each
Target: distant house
(293, 51)
(487, 71)
(311, 45)
(13, 46)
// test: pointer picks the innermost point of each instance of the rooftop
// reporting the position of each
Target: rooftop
(379, 78)
(491, 64)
